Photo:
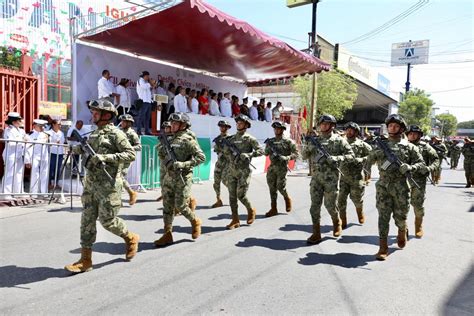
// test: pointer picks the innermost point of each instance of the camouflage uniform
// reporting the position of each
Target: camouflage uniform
(442, 152)
(468, 152)
(239, 173)
(455, 153)
(220, 168)
(325, 179)
(136, 145)
(352, 182)
(276, 174)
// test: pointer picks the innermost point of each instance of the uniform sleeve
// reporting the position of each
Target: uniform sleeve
(137, 146)
(293, 151)
(416, 159)
(257, 150)
(307, 151)
(347, 154)
(433, 158)
(29, 150)
(125, 150)
(198, 156)
(267, 150)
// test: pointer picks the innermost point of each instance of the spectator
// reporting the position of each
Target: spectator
(105, 87)
(209, 94)
(253, 111)
(57, 152)
(161, 88)
(244, 108)
(268, 112)
(219, 98)
(169, 107)
(180, 102)
(79, 127)
(193, 103)
(235, 106)
(226, 106)
(261, 110)
(144, 93)
(277, 111)
(123, 99)
(37, 157)
(13, 155)
(203, 102)
(188, 91)
(214, 106)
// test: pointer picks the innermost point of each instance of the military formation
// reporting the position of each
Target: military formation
(340, 169)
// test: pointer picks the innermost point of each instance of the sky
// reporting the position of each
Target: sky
(448, 24)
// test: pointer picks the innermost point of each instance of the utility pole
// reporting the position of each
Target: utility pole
(407, 84)
(315, 50)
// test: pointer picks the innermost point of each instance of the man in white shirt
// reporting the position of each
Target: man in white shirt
(144, 93)
(214, 108)
(226, 106)
(105, 87)
(268, 112)
(253, 111)
(277, 111)
(180, 102)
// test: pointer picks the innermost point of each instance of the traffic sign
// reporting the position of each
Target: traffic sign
(414, 53)
(297, 3)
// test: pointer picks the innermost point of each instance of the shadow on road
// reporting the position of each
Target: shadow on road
(273, 244)
(140, 218)
(66, 209)
(242, 217)
(187, 229)
(345, 260)
(461, 301)
(305, 228)
(370, 240)
(115, 249)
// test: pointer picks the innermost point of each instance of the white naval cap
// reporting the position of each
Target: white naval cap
(40, 122)
(14, 115)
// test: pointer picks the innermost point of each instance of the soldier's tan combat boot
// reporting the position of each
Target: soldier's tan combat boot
(218, 203)
(383, 250)
(166, 239)
(288, 205)
(273, 210)
(196, 225)
(337, 227)
(132, 197)
(418, 227)
(84, 264)
(251, 212)
(402, 238)
(192, 204)
(360, 215)
(131, 244)
(315, 238)
(235, 223)
(343, 220)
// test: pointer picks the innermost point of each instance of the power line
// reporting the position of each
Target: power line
(390, 23)
(455, 89)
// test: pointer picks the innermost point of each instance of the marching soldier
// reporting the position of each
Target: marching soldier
(244, 148)
(166, 126)
(431, 160)
(454, 154)
(221, 165)
(442, 151)
(13, 155)
(352, 182)
(177, 181)
(126, 124)
(102, 195)
(392, 188)
(324, 184)
(468, 152)
(280, 150)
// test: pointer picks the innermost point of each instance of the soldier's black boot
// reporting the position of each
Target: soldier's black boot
(383, 250)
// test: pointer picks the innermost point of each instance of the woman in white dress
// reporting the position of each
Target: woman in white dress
(123, 100)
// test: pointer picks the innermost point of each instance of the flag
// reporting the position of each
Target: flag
(305, 113)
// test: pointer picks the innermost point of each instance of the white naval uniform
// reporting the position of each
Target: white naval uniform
(38, 156)
(13, 159)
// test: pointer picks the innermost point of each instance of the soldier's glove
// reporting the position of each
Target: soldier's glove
(178, 165)
(404, 168)
(424, 170)
(244, 157)
(98, 159)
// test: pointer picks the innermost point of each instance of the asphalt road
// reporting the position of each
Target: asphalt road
(266, 268)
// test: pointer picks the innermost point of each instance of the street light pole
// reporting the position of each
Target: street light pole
(315, 50)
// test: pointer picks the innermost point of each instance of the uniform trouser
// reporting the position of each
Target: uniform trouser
(176, 195)
(418, 197)
(39, 175)
(354, 188)
(144, 116)
(219, 176)
(126, 185)
(276, 180)
(238, 182)
(323, 189)
(13, 175)
(436, 173)
(102, 202)
(392, 199)
(454, 161)
(469, 170)
(55, 167)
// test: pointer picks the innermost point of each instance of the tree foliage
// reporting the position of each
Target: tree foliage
(416, 109)
(466, 124)
(10, 57)
(337, 93)
(447, 124)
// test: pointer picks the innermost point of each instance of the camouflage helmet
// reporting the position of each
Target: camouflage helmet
(278, 125)
(224, 123)
(102, 105)
(396, 118)
(166, 124)
(243, 118)
(126, 117)
(327, 118)
(180, 117)
(352, 125)
(414, 129)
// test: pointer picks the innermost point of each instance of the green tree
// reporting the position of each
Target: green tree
(447, 124)
(466, 124)
(416, 108)
(337, 92)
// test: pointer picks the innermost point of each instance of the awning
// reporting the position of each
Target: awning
(196, 35)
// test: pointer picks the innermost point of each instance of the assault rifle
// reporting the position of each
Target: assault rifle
(75, 136)
(274, 151)
(322, 152)
(233, 149)
(393, 159)
(171, 155)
